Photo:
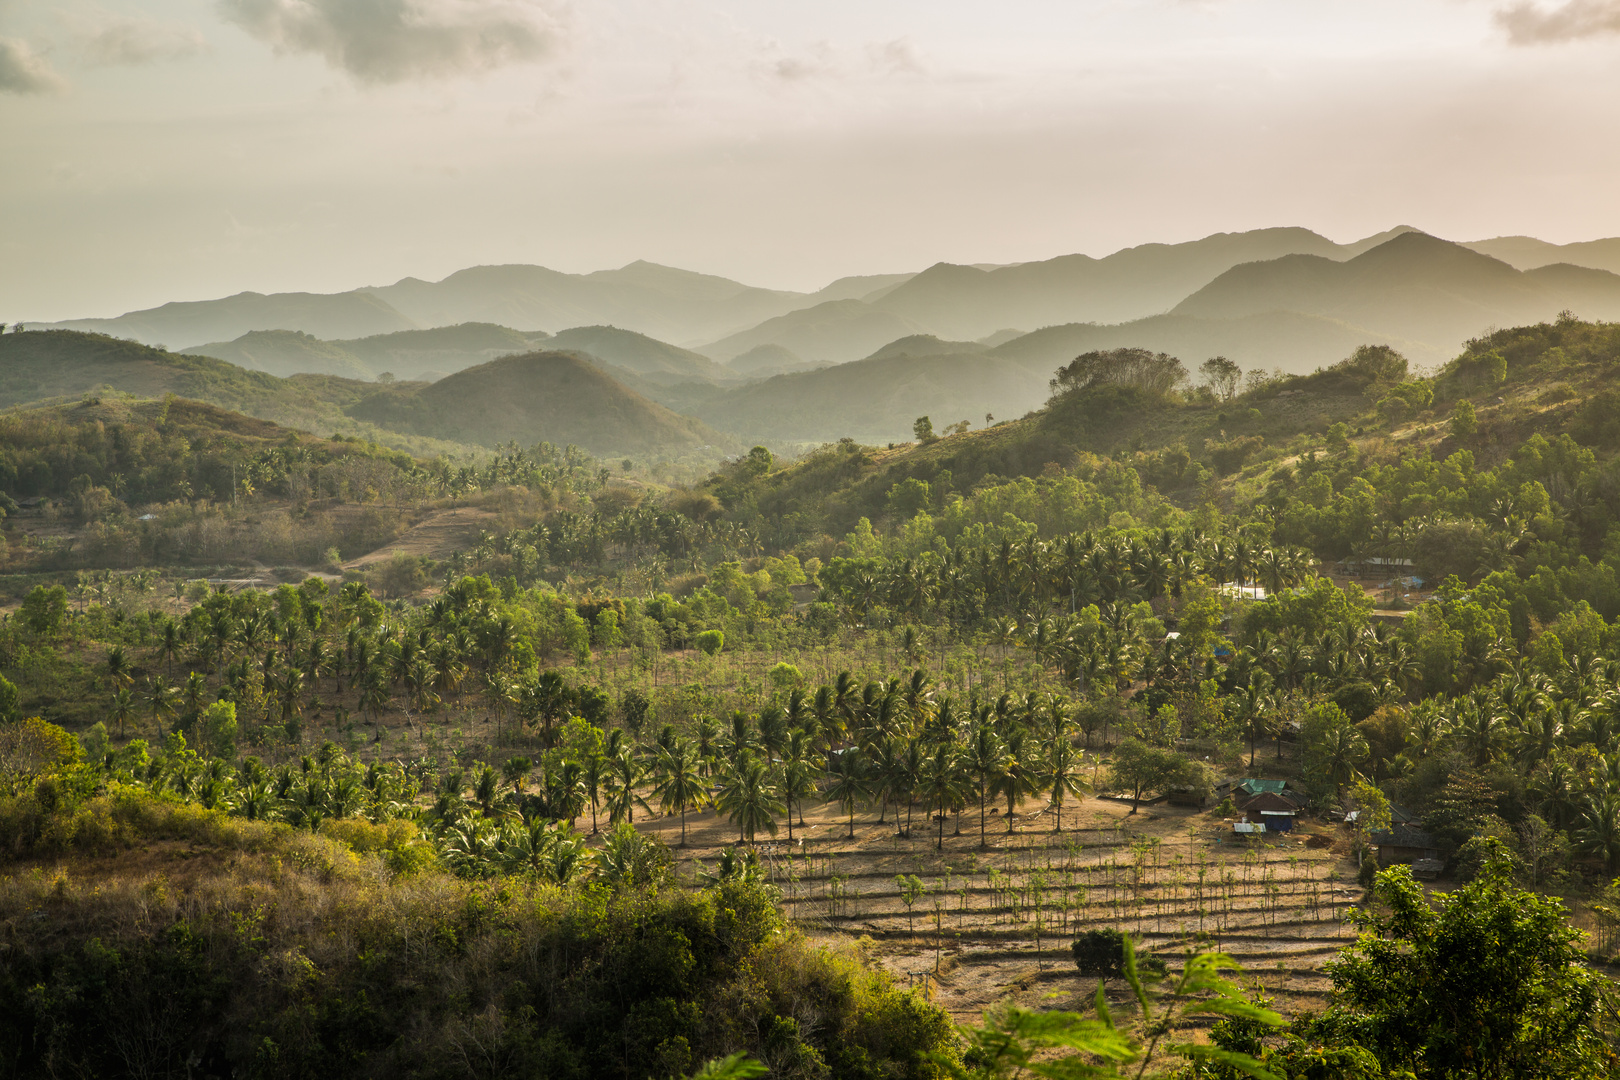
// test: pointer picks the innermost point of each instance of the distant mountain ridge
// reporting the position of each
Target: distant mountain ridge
(1415, 286)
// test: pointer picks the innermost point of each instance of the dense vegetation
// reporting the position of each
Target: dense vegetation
(1137, 589)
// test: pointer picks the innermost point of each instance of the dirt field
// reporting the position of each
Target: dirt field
(996, 922)
(438, 536)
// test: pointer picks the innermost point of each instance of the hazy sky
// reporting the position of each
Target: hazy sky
(183, 149)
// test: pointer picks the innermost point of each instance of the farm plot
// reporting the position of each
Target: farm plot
(978, 925)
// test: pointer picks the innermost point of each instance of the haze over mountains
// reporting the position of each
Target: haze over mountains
(865, 355)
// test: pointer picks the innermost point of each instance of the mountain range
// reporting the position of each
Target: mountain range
(867, 354)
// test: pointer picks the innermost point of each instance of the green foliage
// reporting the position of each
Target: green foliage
(710, 642)
(1486, 981)
(1464, 423)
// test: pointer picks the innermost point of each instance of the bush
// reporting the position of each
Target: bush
(710, 642)
(1101, 953)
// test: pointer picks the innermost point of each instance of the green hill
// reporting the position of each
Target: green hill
(927, 345)
(766, 360)
(829, 333)
(648, 357)
(875, 400)
(537, 397)
(1286, 340)
(42, 365)
(286, 352)
(1548, 379)
(404, 353)
(409, 353)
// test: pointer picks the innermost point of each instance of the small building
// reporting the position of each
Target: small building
(1269, 800)
(1278, 820)
(1248, 827)
(1188, 796)
(1405, 845)
(1427, 869)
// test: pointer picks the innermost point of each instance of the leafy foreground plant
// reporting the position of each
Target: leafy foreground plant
(1016, 1042)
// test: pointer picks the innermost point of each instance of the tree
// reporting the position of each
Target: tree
(923, 430)
(1064, 776)
(624, 772)
(160, 700)
(1486, 981)
(1138, 767)
(846, 783)
(749, 798)
(44, 610)
(942, 784)
(1101, 954)
(679, 785)
(986, 761)
(1221, 376)
(1463, 422)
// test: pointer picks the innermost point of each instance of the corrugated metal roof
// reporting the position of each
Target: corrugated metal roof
(1256, 787)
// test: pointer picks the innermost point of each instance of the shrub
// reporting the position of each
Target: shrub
(1101, 953)
(710, 642)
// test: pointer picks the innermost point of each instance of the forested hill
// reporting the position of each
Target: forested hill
(1266, 445)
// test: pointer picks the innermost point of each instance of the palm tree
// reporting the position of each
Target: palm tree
(680, 785)
(593, 773)
(118, 672)
(1018, 777)
(122, 708)
(1599, 831)
(750, 798)
(798, 776)
(1253, 705)
(1063, 774)
(169, 645)
(625, 771)
(986, 761)
(942, 784)
(160, 700)
(846, 782)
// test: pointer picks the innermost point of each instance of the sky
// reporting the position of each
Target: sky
(186, 149)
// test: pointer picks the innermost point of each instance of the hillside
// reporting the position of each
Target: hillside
(766, 360)
(964, 302)
(47, 364)
(1556, 380)
(188, 323)
(1415, 287)
(927, 345)
(537, 397)
(286, 352)
(1283, 340)
(1528, 253)
(875, 400)
(834, 332)
(648, 357)
(408, 354)
(661, 301)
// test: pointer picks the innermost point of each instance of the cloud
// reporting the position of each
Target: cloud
(115, 42)
(896, 57)
(1531, 24)
(23, 71)
(391, 41)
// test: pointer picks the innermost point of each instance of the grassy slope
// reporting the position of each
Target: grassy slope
(42, 365)
(554, 397)
(1559, 379)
